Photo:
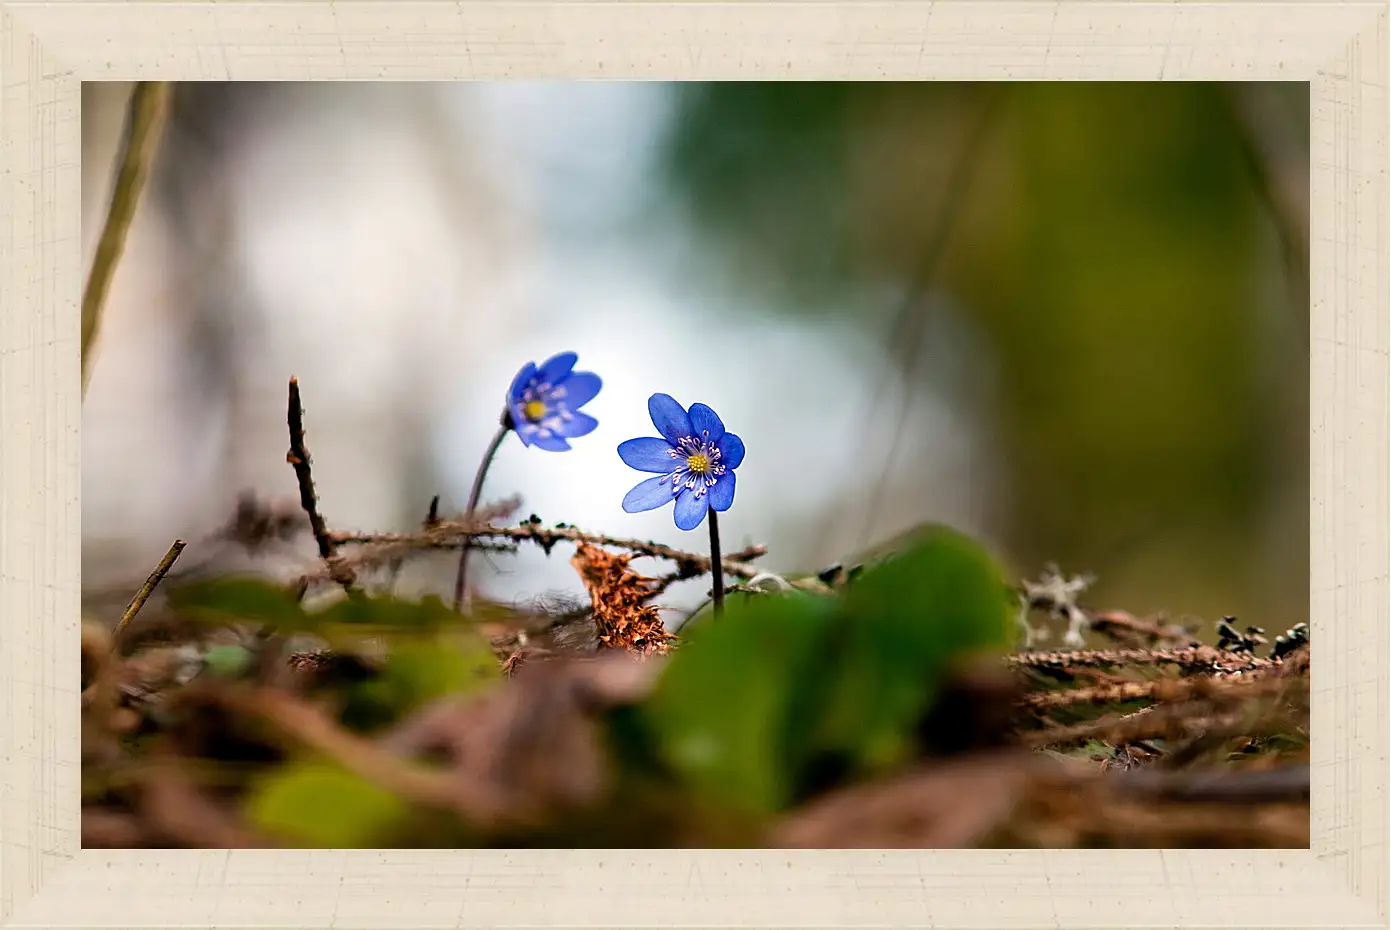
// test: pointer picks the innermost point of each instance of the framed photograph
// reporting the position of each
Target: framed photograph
(693, 464)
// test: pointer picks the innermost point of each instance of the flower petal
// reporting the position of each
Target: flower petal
(555, 368)
(520, 382)
(550, 442)
(578, 389)
(689, 510)
(647, 453)
(579, 424)
(518, 420)
(669, 417)
(647, 495)
(731, 451)
(721, 496)
(704, 420)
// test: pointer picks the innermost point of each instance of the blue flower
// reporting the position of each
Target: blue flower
(544, 403)
(694, 457)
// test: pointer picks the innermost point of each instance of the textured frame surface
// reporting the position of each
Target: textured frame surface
(48, 48)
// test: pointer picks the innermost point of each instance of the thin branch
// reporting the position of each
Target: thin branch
(450, 534)
(1160, 689)
(687, 572)
(298, 457)
(1206, 658)
(1162, 721)
(148, 587)
(102, 695)
(145, 119)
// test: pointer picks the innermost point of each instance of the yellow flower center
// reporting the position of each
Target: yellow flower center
(698, 464)
(533, 410)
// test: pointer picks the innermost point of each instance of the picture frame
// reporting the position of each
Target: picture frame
(48, 48)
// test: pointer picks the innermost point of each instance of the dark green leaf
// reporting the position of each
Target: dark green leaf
(906, 621)
(721, 706)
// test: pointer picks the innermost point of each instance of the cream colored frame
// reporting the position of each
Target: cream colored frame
(47, 48)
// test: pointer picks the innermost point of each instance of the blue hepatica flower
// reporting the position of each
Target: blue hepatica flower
(544, 403)
(695, 460)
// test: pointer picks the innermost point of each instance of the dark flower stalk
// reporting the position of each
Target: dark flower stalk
(716, 566)
(460, 579)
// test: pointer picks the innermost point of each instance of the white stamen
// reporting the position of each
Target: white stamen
(682, 477)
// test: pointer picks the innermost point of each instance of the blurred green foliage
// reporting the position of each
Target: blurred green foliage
(1114, 256)
(234, 598)
(228, 661)
(784, 691)
(417, 672)
(319, 805)
(781, 697)
(430, 654)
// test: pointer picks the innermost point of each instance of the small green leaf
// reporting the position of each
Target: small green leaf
(228, 661)
(417, 672)
(420, 672)
(322, 806)
(721, 706)
(241, 597)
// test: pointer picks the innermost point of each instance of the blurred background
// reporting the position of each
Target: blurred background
(1070, 319)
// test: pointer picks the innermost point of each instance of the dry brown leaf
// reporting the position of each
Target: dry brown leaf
(619, 596)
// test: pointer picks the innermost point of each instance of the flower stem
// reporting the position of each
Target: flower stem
(716, 565)
(146, 116)
(460, 580)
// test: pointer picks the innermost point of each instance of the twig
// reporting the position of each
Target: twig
(102, 695)
(686, 572)
(1114, 621)
(1162, 721)
(390, 548)
(1161, 689)
(298, 457)
(1206, 658)
(148, 588)
(449, 534)
(145, 118)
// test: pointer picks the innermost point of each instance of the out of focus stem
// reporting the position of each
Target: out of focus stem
(461, 579)
(145, 118)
